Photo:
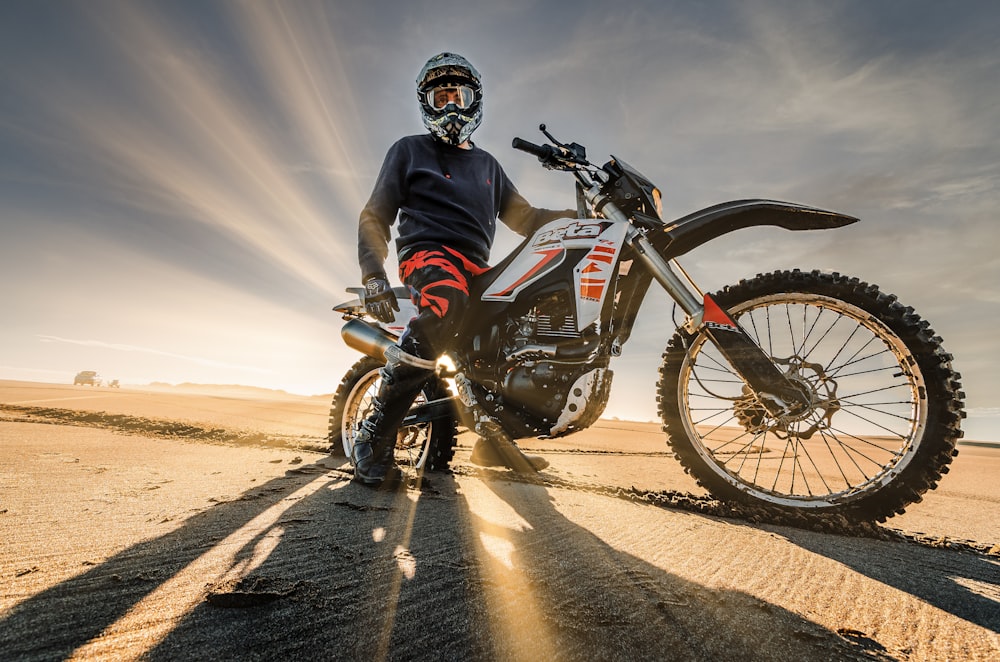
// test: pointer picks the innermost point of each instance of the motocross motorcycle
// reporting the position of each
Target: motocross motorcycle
(795, 390)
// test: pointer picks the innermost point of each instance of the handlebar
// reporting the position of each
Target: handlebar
(572, 157)
(555, 156)
(543, 152)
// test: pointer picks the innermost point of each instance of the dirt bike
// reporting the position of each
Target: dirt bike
(797, 390)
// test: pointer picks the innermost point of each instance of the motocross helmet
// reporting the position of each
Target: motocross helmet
(450, 93)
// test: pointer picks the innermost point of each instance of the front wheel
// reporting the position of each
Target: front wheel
(425, 446)
(884, 412)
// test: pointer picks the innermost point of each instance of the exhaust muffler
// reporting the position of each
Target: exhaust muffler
(369, 340)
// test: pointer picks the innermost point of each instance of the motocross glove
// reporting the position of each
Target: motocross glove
(380, 300)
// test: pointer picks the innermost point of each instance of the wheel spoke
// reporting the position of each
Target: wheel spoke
(827, 333)
(852, 452)
(832, 371)
(806, 335)
(833, 456)
(870, 371)
(908, 419)
(874, 423)
(847, 452)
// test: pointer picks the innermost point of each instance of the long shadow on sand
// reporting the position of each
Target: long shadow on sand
(952, 581)
(57, 621)
(427, 573)
(432, 572)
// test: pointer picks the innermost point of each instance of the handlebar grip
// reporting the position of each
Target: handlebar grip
(543, 152)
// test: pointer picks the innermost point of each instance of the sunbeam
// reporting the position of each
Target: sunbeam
(300, 61)
(216, 159)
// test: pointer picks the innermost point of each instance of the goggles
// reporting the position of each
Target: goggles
(439, 96)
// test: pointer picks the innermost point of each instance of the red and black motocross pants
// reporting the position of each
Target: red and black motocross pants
(438, 279)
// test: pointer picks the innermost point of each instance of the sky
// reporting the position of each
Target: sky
(180, 181)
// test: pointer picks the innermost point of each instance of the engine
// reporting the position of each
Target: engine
(552, 379)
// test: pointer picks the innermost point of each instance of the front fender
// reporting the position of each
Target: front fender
(707, 224)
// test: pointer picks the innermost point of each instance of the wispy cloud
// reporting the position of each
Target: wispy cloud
(983, 412)
(118, 347)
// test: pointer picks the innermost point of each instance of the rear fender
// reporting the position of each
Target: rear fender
(356, 308)
(707, 224)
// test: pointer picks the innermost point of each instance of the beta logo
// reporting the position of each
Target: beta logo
(574, 230)
(715, 317)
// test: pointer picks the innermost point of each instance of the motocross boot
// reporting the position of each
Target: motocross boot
(373, 454)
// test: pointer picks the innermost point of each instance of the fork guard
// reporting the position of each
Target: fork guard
(777, 393)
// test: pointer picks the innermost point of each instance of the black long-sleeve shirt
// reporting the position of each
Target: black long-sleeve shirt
(444, 196)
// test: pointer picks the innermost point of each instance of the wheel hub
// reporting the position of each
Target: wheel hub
(802, 422)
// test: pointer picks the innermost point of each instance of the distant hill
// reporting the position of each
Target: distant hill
(230, 390)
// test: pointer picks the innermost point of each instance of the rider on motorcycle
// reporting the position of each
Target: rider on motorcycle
(448, 193)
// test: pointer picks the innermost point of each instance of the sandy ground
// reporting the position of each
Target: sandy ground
(165, 524)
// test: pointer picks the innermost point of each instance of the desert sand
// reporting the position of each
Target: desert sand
(171, 524)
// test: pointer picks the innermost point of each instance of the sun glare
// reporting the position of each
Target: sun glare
(509, 590)
(501, 549)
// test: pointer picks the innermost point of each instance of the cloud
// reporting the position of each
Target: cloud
(222, 151)
(118, 347)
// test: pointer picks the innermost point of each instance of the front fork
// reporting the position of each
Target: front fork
(779, 395)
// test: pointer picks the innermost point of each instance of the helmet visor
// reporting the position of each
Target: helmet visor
(439, 96)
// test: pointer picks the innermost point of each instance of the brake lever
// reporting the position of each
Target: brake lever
(559, 162)
(574, 152)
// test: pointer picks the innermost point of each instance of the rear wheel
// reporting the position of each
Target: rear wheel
(429, 446)
(885, 403)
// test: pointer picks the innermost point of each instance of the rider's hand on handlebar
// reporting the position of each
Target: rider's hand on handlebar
(380, 300)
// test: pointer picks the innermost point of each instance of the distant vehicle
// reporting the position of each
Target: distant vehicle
(114, 384)
(87, 378)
